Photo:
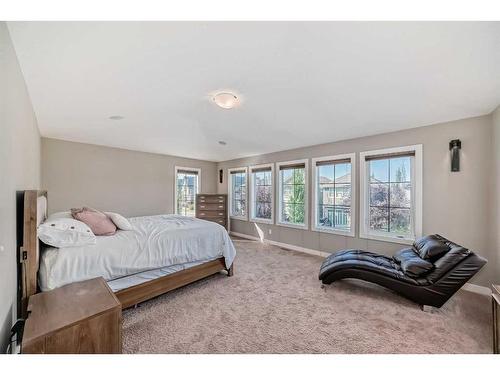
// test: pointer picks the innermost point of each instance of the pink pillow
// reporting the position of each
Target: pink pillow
(98, 222)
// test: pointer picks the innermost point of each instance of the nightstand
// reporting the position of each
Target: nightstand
(79, 318)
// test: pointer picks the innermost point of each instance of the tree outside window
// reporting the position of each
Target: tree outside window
(293, 193)
(391, 195)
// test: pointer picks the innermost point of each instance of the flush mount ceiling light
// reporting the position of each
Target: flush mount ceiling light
(222, 143)
(226, 100)
(116, 117)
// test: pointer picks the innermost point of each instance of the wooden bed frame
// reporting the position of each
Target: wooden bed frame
(29, 258)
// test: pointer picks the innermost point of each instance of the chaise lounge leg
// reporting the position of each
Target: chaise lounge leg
(230, 271)
(426, 308)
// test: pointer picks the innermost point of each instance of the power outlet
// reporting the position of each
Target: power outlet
(270, 231)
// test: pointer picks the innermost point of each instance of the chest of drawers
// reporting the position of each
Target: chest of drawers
(212, 207)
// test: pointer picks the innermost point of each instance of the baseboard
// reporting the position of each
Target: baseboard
(474, 288)
(287, 246)
(246, 236)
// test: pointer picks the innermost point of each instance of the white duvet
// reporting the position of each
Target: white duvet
(156, 242)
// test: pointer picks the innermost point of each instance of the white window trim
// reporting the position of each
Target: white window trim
(314, 226)
(230, 191)
(304, 226)
(417, 183)
(252, 196)
(198, 187)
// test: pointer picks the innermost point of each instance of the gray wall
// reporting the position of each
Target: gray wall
(19, 170)
(495, 186)
(456, 205)
(128, 182)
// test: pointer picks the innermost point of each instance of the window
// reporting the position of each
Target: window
(292, 177)
(333, 184)
(392, 194)
(238, 193)
(262, 193)
(186, 187)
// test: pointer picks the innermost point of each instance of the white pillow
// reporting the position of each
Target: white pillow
(120, 222)
(65, 232)
(61, 215)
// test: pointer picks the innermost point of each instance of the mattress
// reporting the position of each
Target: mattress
(158, 244)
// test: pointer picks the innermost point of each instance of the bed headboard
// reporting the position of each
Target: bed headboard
(34, 213)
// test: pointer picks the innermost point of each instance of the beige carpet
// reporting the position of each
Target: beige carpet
(274, 304)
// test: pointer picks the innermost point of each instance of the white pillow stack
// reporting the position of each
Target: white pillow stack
(65, 232)
(61, 230)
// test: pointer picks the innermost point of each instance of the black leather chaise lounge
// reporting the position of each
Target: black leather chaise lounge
(429, 272)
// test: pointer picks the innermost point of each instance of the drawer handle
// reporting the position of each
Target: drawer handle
(202, 201)
(202, 214)
(220, 214)
(221, 206)
(202, 206)
(202, 197)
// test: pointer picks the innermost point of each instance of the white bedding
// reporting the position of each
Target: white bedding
(156, 242)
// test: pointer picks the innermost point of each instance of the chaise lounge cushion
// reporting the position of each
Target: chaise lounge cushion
(365, 261)
(431, 247)
(411, 263)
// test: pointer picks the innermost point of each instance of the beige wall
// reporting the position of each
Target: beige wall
(456, 205)
(19, 170)
(128, 182)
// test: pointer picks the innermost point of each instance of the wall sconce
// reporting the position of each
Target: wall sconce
(455, 146)
(221, 175)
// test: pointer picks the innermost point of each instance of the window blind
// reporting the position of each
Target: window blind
(390, 156)
(292, 166)
(330, 162)
(185, 171)
(263, 169)
(236, 172)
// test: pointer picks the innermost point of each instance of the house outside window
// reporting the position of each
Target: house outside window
(262, 193)
(392, 194)
(334, 194)
(238, 193)
(293, 194)
(187, 185)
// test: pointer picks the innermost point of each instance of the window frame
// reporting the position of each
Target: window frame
(314, 226)
(417, 188)
(230, 193)
(198, 185)
(279, 220)
(252, 194)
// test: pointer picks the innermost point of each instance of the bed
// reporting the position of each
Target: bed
(162, 253)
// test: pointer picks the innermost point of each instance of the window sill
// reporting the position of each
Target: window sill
(294, 226)
(371, 236)
(262, 221)
(334, 231)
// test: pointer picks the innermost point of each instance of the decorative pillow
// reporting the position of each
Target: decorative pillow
(120, 222)
(411, 263)
(431, 247)
(64, 232)
(99, 223)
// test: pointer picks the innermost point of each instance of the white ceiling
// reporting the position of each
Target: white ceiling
(302, 83)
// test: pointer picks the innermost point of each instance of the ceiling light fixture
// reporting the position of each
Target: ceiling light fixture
(222, 143)
(226, 100)
(116, 117)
